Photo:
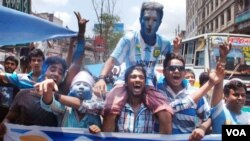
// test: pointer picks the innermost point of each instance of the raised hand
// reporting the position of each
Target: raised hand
(224, 50)
(81, 25)
(46, 87)
(177, 44)
(217, 75)
(100, 88)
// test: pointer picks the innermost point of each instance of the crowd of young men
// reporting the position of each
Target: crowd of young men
(134, 104)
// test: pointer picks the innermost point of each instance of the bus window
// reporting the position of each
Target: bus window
(233, 58)
(189, 53)
(183, 48)
(202, 52)
(199, 58)
(230, 63)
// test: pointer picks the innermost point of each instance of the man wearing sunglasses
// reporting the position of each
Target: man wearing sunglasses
(187, 106)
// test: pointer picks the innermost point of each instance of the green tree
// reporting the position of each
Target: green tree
(106, 18)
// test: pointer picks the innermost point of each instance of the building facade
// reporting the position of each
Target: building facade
(242, 18)
(207, 16)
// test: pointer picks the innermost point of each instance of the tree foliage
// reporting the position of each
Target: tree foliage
(106, 18)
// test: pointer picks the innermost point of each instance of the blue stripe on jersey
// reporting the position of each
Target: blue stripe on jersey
(200, 103)
(22, 81)
(131, 51)
(188, 112)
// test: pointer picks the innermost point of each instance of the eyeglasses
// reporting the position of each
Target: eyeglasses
(173, 68)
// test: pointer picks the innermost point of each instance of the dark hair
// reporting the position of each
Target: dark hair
(190, 71)
(36, 53)
(11, 58)
(51, 61)
(233, 84)
(152, 6)
(203, 78)
(135, 67)
(169, 57)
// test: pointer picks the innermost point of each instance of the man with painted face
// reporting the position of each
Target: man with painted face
(143, 47)
(81, 87)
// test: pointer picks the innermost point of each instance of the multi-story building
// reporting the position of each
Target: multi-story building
(206, 16)
(242, 18)
(191, 18)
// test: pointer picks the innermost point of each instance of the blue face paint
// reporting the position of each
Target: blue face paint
(81, 90)
(150, 23)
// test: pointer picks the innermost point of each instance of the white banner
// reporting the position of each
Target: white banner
(38, 133)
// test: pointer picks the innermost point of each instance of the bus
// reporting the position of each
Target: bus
(202, 52)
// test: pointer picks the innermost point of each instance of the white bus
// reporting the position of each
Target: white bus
(201, 53)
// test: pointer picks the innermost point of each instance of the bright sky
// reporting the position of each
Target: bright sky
(128, 10)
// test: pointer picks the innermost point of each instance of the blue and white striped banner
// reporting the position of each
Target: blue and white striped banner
(38, 133)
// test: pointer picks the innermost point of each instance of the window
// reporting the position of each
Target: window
(199, 58)
(216, 23)
(207, 28)
(247, 3)
(203, 15)
(189, 52)
(216, 3)
(212, 6)
(222, 19)
(212, 26)
(207, 9)
(229, 15)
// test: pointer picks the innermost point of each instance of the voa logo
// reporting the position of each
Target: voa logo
(236, 132)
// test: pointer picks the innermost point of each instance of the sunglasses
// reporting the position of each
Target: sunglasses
(173, 68)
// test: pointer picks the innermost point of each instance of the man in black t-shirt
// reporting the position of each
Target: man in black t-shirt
(7, 94)
(7, 91)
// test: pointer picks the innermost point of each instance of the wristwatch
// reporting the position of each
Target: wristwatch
(102, 77)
